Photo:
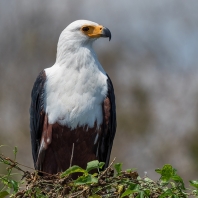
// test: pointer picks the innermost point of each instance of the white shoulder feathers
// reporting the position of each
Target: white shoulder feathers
(75, 90)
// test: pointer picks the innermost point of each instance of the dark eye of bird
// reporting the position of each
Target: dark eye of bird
(85, 29)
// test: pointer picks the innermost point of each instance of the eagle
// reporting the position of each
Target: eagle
(73, 111)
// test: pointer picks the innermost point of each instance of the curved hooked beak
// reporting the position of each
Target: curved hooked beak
(106, 33)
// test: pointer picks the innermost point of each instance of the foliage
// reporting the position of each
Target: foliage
(92, 182)
(7, 182)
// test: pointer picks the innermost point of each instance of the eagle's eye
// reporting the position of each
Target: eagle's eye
(85, 29)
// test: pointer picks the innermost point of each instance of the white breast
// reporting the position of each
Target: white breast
(74, 94)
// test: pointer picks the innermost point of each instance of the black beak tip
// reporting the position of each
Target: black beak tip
(107, 33)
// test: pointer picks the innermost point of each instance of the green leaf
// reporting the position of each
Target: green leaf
(95, 174)
(92, 165)
(173, 185)
(88, 179)
(167, 193)
(179, 180)
(194, 183)
(3, 194)
(141, 194)
(15, 185)
(158, 171)
(118, 167)
(147, 192)
(101, 164)
(167, 172)
(174, 171)
(130, 190)
(195, 192)
(73, 169)
(127, 192)
(131, 170)
(148, 180)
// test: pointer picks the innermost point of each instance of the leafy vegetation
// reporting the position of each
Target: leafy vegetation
(94, 183)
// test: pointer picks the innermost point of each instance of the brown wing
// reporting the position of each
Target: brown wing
(37, 114)
(109, 125)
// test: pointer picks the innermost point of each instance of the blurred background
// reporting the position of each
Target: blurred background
(152, 61)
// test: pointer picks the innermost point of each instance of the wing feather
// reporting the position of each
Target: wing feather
(109, 125)
(37, 113)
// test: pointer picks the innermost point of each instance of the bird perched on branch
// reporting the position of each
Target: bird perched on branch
(73, 103)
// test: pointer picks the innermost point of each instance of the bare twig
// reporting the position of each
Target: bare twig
(14, 164)
(36, 170)
(103, 173)
(10, 163)
(72, 155)
(79, 193)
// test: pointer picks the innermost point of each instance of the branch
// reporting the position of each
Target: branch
(103, 173)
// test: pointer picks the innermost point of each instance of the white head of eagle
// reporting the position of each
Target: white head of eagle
(73, 102)
(81, 33)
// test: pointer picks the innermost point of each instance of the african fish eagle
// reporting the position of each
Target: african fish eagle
(73, 103)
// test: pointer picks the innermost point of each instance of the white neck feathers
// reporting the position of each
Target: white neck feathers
(76, 86)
